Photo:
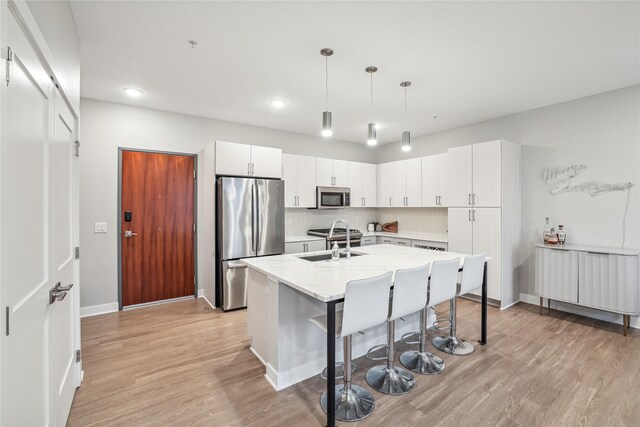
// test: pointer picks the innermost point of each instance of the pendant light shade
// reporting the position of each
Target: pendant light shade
(327, 130)
(372, 138)
(326, 124)
(406, 135)
(406, 141)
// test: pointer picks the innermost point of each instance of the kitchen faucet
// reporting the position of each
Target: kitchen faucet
(347, 250)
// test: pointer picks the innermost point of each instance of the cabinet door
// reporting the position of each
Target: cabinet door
(355, 183)
(368, 241)
(608, 281)
(460, 176)
(556, 275)
(316, 245)
(413, 174)
(267, 162)
(487, 174)
(369, 184)
(398, 183)
(429, 181)
(385, 185)
(294, 247)
(442, 167)
(460, 230)
(487, 237)
(324, 172)
(232, 158)
(306, 181)
(341, 173)
(289, 175)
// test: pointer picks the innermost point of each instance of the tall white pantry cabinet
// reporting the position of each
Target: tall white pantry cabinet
(485, 210)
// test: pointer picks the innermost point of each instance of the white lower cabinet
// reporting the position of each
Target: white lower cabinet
(305, 246)
(369, 240)
(394, 241)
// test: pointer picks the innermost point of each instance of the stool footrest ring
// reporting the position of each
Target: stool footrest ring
(437, 324)
(404, 337)
(377, 348)
(340, 367)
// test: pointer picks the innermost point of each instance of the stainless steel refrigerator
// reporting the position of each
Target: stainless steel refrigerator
(249, 223)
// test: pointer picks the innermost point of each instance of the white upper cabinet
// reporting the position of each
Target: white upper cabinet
(460, 182)
(356, 184)
(487, 161)
(299, 174)
(400, 183)
(385, 185)
(434, 180)
(248, 160)
(369, 184)
(332, 173)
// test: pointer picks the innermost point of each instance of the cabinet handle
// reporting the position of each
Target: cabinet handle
(389, 201)
(474, 198)
(436, 200)
(440, 200)
(469, 198)
(469, 214)
(474, 215)
(249, 168)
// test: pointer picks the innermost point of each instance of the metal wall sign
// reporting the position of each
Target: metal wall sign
(560, 179)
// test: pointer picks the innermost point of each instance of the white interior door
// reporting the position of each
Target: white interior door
(37, 226)
(63, 165)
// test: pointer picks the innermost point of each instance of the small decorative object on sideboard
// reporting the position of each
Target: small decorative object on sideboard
(390, 227)
(562, 235)
(553, 237)
(546, 234)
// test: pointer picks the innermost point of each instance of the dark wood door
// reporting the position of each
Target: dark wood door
(158, 253)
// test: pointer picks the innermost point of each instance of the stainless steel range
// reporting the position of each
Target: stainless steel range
(339, 235)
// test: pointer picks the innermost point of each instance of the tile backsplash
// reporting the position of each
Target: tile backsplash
(426, 220)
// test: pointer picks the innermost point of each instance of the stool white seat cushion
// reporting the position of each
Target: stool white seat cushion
(472, 273)
(443, 284)
(366, 303)
(409, 291)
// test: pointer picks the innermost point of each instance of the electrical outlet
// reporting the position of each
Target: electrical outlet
(100, 227)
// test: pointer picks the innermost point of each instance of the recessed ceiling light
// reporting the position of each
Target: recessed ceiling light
(132, 92)
(277, 103)
(378, 126)
(435, 117)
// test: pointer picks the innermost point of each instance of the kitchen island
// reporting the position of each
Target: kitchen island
(285, 291)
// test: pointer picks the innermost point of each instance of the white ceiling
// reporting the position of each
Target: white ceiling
(468, 61)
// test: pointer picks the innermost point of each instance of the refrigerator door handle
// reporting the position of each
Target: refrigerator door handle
(257, 218)
(253, 218)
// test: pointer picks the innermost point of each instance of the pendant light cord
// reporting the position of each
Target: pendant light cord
(326, 81)
(371, 91)
(405, 106)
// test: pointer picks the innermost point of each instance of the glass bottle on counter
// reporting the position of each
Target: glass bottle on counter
(553, 237)
(335, 252)
(546, 234)
(562, 235)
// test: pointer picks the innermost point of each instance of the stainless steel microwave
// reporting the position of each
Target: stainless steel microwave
(333, 197)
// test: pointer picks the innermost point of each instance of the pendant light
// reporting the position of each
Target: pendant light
(406, 135)
(326, 115)
(372, 138)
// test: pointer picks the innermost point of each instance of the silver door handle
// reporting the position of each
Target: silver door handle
(58, 293)
(257, 218)
(253, 218)
(129, 233)
(232, 265)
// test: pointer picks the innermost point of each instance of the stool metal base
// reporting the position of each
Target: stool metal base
(422, 363)
(353, 404)
(394, 381)
(453, 345)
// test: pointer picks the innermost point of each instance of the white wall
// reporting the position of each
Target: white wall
(600, 131)
(107, 126)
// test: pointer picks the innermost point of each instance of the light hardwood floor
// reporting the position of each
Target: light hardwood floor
(184, 363)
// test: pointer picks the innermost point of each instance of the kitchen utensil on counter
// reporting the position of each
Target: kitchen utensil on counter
(390, 227)
(371, 227)
(378, 227)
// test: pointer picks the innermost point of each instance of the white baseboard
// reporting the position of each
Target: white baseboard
(207, 300)
(94, 310)
(200, 293)
(582, 311)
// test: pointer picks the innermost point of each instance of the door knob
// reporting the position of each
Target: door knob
(58, 293)
(129, 233)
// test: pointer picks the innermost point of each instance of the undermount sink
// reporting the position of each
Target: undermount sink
(326, 257)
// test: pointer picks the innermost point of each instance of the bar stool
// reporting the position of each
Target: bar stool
(366, 304)
(442, 287)
(409, 296)
(472, 276)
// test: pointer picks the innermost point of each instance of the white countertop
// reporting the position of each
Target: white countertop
(304, 238)
(327, 280)
(588, 248)
(413, 235)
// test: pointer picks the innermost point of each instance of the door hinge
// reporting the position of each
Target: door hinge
(8, 65)
(77, 252)
(77, 149)
(7, 321)
(78, 356)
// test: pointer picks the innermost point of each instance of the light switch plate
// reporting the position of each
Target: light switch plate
(100, 227)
